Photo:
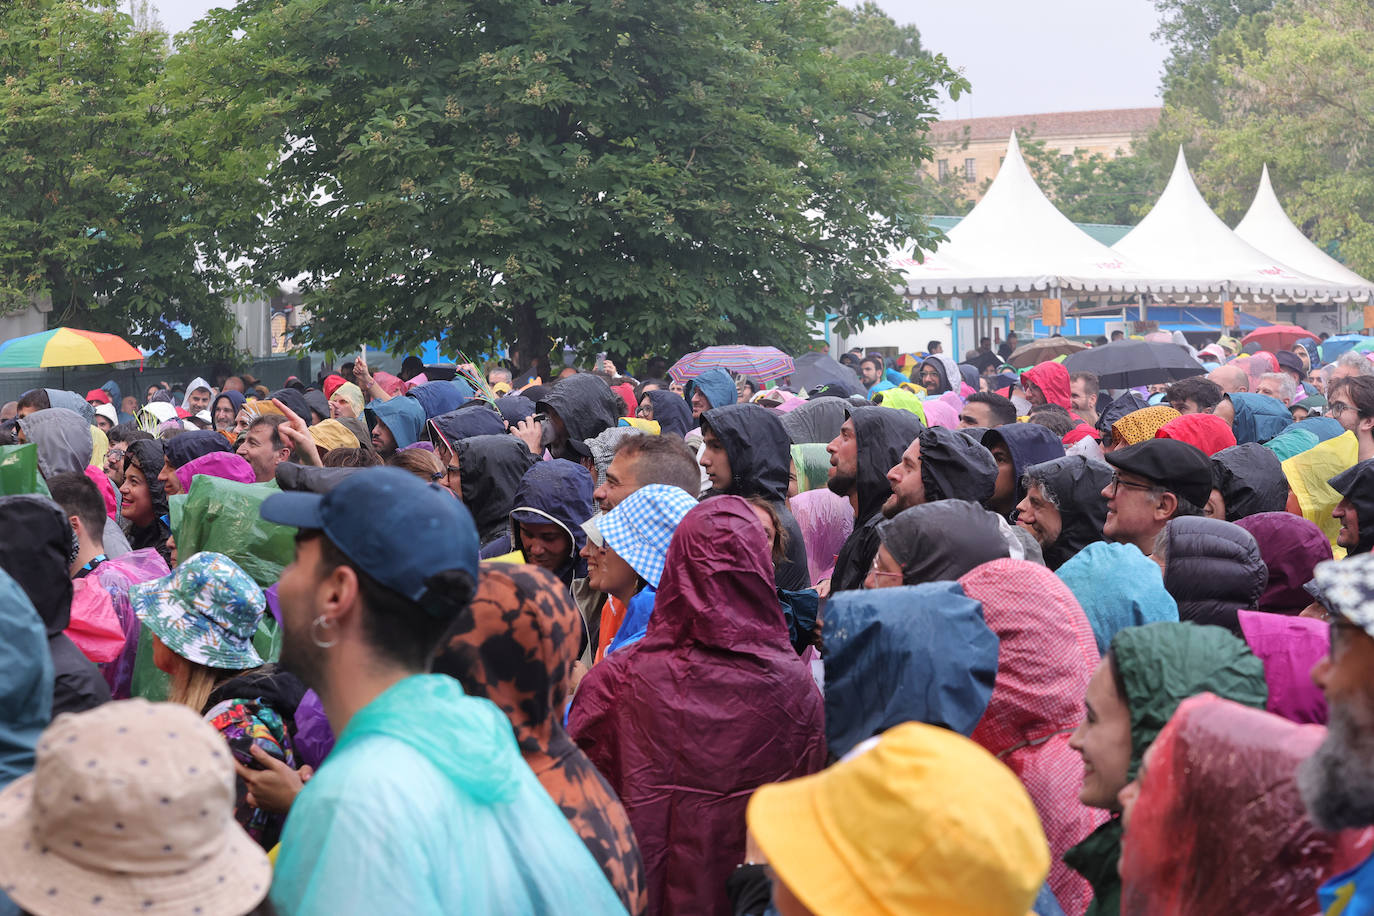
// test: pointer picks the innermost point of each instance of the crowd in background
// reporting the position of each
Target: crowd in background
(930, 636)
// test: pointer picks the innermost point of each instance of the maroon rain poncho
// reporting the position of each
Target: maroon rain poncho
(1219, 827)
(712, 703)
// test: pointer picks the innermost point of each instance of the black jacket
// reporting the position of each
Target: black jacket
(1251, 480)
(36, 550)
(953, 466)
(671, 412)
(491, 468)
(1075, 482)
(1213, 569)
(585, 404)
(760, 456)
(881, 434)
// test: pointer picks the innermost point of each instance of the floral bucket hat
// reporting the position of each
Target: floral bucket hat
(206, 611)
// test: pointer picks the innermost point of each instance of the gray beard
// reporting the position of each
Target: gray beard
(1337, 782)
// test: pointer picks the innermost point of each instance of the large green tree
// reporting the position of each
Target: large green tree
(101, 204)
(628, 175)
(866, 29)
(1300, 99)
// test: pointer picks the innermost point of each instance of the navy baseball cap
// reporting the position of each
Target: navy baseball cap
(391, 524)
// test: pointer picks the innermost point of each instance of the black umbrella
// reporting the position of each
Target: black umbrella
(1128, 363)
(819, 368)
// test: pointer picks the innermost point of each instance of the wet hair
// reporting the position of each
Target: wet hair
(127, 432)
(1288, 388)
(1199, 389)
(1089, 380)
(662, 384)
(877, 361)
(34, 399)
(1054, 418)
(662, 459)
(274, 421)
(1003, 410)
(78, 495)
(350, 458)
(779, 545)
(1361, 395)
(421, 462)
(397, 628)
(1349, 359)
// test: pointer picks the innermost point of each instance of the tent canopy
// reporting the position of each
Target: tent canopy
(1016, 242)
(1268, 228)
(1185, 248)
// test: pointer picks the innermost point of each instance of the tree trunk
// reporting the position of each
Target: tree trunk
(531, 343)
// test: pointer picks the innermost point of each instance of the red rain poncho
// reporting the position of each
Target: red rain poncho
(1046, 656)
(1204, 430)
(1053, 380)
(712, 703)
(1219, 826)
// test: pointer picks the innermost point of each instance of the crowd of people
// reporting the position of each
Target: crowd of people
(927, 637)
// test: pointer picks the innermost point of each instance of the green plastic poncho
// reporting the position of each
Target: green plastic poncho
(812, 462)
(19, 471)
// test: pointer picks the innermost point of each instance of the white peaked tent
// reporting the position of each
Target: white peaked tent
(1269, 229)
(1016, 242)
(1185, 248)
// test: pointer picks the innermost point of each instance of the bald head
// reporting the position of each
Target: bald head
(1230, 378)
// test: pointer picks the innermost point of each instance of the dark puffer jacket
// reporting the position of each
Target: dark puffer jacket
(1075, 484)
(881, 435)
(36, 551)
(1250, 479)
(760, 454)
(1213, 569)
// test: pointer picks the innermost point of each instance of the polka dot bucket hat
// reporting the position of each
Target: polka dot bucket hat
(129, 809)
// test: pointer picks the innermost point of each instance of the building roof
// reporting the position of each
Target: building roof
(1104, 122)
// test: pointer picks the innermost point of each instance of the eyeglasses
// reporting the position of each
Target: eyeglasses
(1337, 407)
(115, 453)
(1118, 482)
(875, 571)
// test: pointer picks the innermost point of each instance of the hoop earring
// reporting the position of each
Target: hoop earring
(324, 623)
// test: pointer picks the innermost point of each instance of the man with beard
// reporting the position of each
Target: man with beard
(384, 564)
(870, 443)
(1337, 782)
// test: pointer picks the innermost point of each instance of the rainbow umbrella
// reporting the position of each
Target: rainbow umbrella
(762, 364)
(66, 347)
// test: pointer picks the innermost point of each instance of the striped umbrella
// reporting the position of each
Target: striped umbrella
(66, 347)
(763, 364)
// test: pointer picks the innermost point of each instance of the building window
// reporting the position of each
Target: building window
(942, 169)
(970, 169)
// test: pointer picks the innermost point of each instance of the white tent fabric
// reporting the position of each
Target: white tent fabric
(1185, 248)
(1268, 228)
(1016, 241)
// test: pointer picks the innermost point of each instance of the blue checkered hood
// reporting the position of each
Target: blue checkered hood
(641, 527)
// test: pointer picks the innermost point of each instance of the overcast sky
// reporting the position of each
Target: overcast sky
(1022, 57)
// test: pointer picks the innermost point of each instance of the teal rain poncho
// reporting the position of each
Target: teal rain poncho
(426, 807)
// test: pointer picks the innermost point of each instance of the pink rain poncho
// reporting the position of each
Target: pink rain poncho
(1046, 655)
(1219, 826)
(825, 519)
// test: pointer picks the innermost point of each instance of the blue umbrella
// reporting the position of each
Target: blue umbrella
(1333, 347)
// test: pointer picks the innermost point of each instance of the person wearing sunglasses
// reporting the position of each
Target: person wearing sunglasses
(1153, 482)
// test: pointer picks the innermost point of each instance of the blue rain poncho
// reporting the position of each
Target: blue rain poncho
(426, 807)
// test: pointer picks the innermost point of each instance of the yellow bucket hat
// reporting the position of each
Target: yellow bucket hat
(919, 821)
(331, 434)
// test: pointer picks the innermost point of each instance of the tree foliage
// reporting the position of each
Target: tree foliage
(1301, 99)
(1093, 187)
(619, 174)
(866, 29)
(1200, 35)
(100, 205)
